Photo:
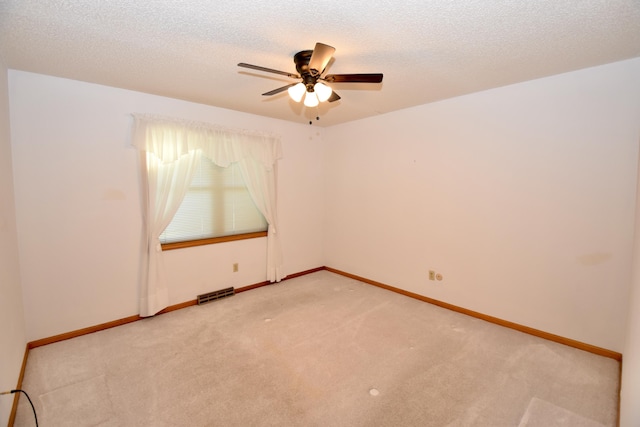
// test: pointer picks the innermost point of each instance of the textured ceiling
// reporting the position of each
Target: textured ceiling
(427, 50)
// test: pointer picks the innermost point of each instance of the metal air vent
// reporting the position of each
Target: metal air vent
(212, 296)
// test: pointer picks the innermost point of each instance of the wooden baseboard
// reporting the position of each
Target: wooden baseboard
(83, 331)
(177, 307)
(552, 337)
(531, 331)
(536, 332)
(135, 318)
(16, 396)
(291, 276)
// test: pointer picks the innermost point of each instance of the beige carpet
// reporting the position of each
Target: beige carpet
(318, 350)
(544, 414)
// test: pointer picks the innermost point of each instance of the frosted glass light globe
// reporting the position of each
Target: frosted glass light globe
(297, 92)
(323, 91)
(311, 100)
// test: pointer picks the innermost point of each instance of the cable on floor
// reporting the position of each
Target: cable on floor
(28, 398)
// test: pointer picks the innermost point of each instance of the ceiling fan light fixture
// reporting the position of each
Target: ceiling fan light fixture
(322, 91)
(311, 100)
(311, 65)
(297, 92)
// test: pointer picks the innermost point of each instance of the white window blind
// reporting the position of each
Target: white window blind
(217, 204)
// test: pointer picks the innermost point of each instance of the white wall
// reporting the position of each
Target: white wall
(521, 196)
(12, 328)
(78, 209)
(630, 390)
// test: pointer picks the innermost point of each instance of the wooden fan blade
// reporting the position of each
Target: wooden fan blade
(334, 97)
(268, 70)
(320, 57)
(354, 78)
(280, 89)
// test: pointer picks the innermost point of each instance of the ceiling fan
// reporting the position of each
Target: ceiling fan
(310, 65)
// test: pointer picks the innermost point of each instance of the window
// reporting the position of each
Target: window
(217, 204)
(170, 150)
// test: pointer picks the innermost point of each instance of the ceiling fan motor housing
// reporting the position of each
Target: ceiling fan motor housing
(301, 59)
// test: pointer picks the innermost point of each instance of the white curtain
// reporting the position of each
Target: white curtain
(261, 185)
(170, 149)
(166, 186)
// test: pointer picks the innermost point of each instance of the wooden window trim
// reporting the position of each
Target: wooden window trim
(212, 240)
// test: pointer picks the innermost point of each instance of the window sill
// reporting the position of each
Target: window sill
(212, 240)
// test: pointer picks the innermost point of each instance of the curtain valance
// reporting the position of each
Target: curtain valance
(168, 139)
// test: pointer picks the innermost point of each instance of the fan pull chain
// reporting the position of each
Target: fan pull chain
(317, 117)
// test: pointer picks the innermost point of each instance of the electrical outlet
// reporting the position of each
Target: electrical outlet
(235, 267)
(432, 275)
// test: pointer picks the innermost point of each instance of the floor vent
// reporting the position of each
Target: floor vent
(212, 296)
